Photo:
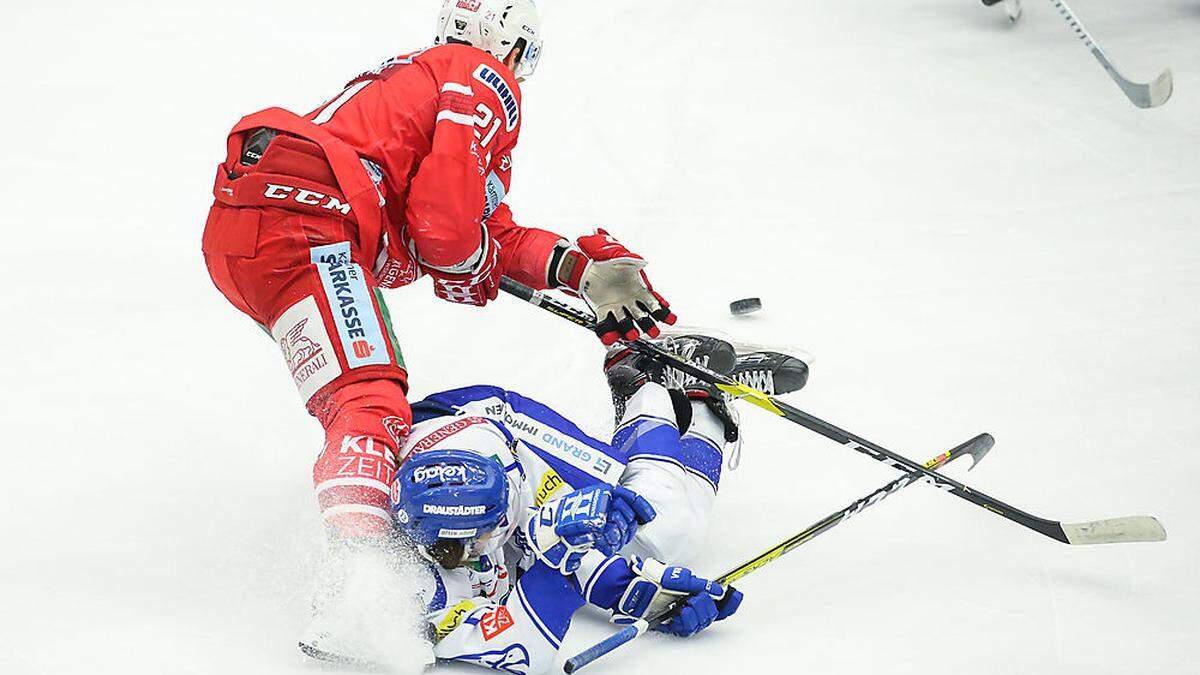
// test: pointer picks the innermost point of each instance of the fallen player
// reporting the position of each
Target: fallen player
(494, 482)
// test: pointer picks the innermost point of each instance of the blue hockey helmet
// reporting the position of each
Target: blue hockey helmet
(440, 495)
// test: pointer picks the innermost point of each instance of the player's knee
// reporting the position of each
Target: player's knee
(683, 502)
(366, 398)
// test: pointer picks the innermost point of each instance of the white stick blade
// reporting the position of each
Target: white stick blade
(1115, 530)
(1142, 95)
(1161, 89)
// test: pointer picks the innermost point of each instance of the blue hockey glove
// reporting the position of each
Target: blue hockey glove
(729, 603)
(599, 516)
(701, 610)
(628, 510)
(655, 585)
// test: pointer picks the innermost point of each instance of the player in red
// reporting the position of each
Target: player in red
(401, 175)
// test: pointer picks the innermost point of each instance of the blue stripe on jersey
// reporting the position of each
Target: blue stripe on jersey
(573, 477)
(610, 583)
(651, 438)
(550, 599)
(438, 603)
(597, 574)
(647, 436)
(702, 457)
(554, 640)
(428, 409)
(456, 398)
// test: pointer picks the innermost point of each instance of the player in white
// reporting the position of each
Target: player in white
(495, 486)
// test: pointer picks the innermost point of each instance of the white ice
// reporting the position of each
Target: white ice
(963, 219)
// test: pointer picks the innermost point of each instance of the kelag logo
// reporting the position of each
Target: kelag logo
(440, 472)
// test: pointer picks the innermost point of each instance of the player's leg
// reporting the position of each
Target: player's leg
(675, 431)
(681, 488)
(674, 446)
(293, 276)
(301, 280)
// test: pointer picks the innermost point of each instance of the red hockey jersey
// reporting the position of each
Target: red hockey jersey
(421, 152)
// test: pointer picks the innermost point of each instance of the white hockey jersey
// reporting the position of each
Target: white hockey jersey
(475, 613)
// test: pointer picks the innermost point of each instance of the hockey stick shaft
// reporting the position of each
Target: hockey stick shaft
(1114, 530)
(1149, 95)
(976, 447)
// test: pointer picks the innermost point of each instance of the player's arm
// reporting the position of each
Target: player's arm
(525, 252)
(597, 267)
(449, 194)
(634, 588)
(469, 168)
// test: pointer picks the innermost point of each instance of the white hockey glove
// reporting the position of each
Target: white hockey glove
(610, 279)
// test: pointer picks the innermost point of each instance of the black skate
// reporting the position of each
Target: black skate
(770, 372)
(627, 370)
(765, 368)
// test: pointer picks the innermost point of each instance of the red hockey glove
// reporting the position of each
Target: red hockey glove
(475, 287)
(610, 279)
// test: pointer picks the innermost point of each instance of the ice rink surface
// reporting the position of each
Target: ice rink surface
(964, 220)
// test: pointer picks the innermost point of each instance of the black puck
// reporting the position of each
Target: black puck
(745, 306)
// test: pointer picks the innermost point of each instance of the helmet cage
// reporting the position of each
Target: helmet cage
(530, 55)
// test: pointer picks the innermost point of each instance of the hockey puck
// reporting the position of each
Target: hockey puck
(745, 306)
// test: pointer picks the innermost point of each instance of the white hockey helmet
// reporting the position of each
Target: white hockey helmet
(495, 26)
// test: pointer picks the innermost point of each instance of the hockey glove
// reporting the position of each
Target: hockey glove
(600, 517)
(656, 585)
(694, 615)
(627, 511)
(610, 279)
(474, 282)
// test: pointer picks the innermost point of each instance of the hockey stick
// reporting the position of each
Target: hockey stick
(1109, 531)
(1143, 95)
(977, 448)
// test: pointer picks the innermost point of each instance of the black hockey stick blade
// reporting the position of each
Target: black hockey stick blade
(342, 660)
(977, 448)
